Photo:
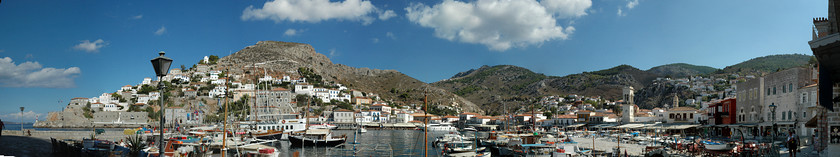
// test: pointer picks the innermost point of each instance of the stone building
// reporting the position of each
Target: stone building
(272, 103)
(781, 90)
(750, 100)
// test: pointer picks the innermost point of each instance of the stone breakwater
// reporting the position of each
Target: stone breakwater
(77, 135)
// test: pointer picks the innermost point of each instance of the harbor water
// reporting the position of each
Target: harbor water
(402, 142)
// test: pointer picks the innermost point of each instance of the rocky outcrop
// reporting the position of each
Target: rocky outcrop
(276, 56)
(69, 118)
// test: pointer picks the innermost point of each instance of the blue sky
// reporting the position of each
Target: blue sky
(52, 51)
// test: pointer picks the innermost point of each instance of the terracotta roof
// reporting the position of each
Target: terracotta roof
(483, 117)
(379, 105)
(415, 121)
(469, 113)
(139, 104)
(642, 114)
(566, 116)
(127, 86)
(684, 109)
(279, 89)
(343, 110)
(78, 98)
(450, 116)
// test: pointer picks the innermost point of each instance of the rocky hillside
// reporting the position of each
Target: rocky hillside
(768, 64)
(678, 70)
(492, 87)
(275, 56)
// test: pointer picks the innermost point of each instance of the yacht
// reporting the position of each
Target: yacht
(440, 127)
(275, 130)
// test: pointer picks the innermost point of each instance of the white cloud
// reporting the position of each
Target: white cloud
(387, 15)
(498, 24)
(333, 53)
(160, 30)
(88, 46)
(375, 40)
(620, 13)
(32, 74)
(632, 4)
(138, 16)
(28, 116)
(312, 11)
(291, 32)
(390, 35)
(567, 8)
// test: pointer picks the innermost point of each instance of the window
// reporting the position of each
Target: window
(774, 90)
(804, 114)
(783, 89)
(768, 91)
(789, 115)
(790, 86)
(783, 115)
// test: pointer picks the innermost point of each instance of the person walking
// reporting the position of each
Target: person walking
(792, 143)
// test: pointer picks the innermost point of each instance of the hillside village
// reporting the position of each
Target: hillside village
(195, 96)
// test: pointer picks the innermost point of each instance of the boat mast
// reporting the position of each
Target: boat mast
(425, 125)
(256, 91)
(224, 129)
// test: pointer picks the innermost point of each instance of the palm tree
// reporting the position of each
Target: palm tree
(135, 144)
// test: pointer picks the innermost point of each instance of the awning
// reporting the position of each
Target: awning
(575, 125)
(682, 126)
(604, 126)
(812, 123)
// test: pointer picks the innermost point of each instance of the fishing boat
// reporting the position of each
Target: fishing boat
(718, 146)
(316, 137)
(463, 149)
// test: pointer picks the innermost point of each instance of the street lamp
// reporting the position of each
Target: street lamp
(21, 121)
(161, 65)
(773, 111)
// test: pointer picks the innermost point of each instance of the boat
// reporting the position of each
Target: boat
(534, 150)
(323, 126)
(440, 127)
(717, 146)
(258, 150)
(440, 141)
(316, 137)
(463, 149)
(362, 130)
(275, 130)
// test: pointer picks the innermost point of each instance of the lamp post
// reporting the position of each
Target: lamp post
(21, 121)
(161, 65)
(773, 111)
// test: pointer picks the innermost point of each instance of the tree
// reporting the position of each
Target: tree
(183, 67)
(213, 59)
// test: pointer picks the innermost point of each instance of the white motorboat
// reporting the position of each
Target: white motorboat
(323, 126)
(463, 149)
(716, 146)
(440, 127)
